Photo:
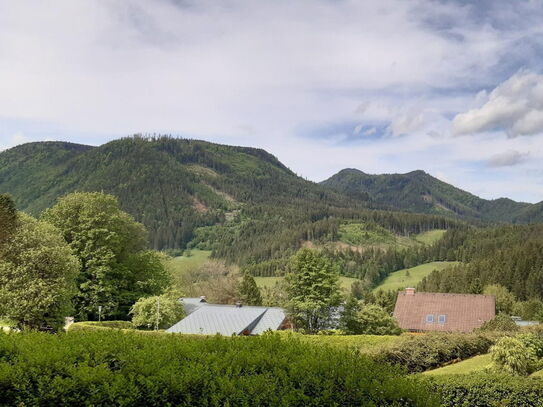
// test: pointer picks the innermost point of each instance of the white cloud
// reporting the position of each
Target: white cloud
(255, 73)
(507, 159)
(515, 106)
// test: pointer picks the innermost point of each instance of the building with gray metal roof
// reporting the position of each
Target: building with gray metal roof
(210, 319)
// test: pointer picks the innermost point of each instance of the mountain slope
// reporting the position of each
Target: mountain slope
(171, 185)
(419, 192)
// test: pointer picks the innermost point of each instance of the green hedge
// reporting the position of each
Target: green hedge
(120, 368)
(486, 389)
(418, 353)
(95, 325)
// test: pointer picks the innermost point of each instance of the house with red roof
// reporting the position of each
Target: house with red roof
(424, 312)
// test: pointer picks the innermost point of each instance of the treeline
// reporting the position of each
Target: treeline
(262, 234)
(511, 256)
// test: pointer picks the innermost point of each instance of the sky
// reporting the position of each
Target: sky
(454, 88)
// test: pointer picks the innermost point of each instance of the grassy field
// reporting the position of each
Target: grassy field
(411, 277)
(262, 282)
(471, 365)
(430, 237)
(179, 265)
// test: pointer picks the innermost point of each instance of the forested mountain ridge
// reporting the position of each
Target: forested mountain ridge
(419, 192)
(174, 186)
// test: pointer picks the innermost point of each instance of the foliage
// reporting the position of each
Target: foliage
(504, 299)
(511, 256)
(214, 280)
(364, 233)
(8, 217)
(484, 389)
(116, 268)
(37, 273)
(385, 299)
(124, 368)
(313, 290)
(531, 310)
(349, 322)
(374, 320)
(159, 312)
(501, 322)
(418, 353)
(249, 293)
(517, 355)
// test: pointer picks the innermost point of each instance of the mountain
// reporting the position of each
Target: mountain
(419, 192)
(171, 185)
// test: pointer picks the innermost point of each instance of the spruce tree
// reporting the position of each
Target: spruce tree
(249, 293)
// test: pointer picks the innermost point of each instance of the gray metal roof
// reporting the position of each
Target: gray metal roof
(192, 304)
(210, 319)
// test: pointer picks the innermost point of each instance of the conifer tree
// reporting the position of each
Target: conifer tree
(249, 293)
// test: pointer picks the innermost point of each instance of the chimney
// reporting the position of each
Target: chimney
(203, 298)
(409, 291)
(238, 304)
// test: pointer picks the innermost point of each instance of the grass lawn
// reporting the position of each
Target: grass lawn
(470, 365)
(262, 282)
(399, 279)
(179, 265)
(430, 237)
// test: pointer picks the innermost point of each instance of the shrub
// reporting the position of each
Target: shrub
(502, 323)
(374, 320)
(418, 353)
(517, 355)
(164, 311)
(485, 389)
(121, 368)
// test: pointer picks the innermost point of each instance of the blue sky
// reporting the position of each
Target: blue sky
(451, 87)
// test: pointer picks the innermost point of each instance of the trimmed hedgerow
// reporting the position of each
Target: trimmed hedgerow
(120, 368)
(487, 389)
(418, 353)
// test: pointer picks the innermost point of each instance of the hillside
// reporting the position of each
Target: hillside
(419, 192)
(175, 186)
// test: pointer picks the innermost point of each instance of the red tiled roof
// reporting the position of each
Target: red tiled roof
(463, 312)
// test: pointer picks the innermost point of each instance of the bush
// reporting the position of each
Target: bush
(517, 355)
(501, 323)
(418, 353)
(120, 368)
(164, 310)
(95, 325)
(484, 389)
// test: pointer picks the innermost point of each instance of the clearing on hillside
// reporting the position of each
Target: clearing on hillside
(430, 237)
(474, 364)
(411, 277)
(182, 264)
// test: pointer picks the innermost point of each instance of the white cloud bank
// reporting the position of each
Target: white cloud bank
(515, 106)
(258, 73)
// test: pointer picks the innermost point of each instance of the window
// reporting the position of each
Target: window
(429, 318)
(442, 319)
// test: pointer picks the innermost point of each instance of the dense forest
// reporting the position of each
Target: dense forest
(249, 209)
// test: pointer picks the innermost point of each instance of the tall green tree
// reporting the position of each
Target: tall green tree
(504, 299)
(116, 268)
(8, 217)
(349, 322)
(313, 290)
(37, 275)
(249, 293)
